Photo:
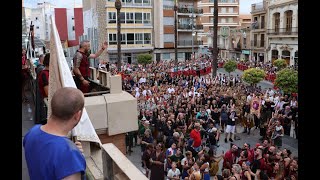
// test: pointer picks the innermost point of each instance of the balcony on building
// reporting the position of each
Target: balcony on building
(188, 27)
(258, 8)
(258, 44)
(189, 10)
(258, 24)
(225, 1)
(132, 3)
(188, 43)
(290, 31)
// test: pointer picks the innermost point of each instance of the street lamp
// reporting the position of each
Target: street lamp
(118, 7)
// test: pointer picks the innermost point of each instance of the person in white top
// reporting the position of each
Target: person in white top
(146, 90)
(293, 102)
(174, 172)
(270, 92)
(170, 89)
(142, 80)
(138, 93)
(249, 97)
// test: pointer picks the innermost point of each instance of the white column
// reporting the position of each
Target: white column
(282, 20)
(279, 52)
(295, 18)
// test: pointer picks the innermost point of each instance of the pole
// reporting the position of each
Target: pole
(118, 7)
(192, 34)
(175, 33)
(214, 62)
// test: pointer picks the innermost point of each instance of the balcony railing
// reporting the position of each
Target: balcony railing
(165, 7)
(224, 1)
(189, 27)
(190, 10)
(117, 166)
(189, 43)
(258, 7)
(258, 44)
(136, 4)
(257, 25)
(283, 31)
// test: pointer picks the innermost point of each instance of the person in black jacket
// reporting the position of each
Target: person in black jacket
(231, 125)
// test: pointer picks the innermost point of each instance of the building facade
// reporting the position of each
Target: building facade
(228, 18)
(40, 18)
(283, 31)
(258, 31)
(240, 39)
(188, 27)
(69, 24)
(136, 29)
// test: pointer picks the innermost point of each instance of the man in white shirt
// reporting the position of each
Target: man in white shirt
(142, 80)
(170, 89)
(174, 172)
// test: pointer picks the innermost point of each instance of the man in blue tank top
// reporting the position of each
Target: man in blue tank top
(49, 153)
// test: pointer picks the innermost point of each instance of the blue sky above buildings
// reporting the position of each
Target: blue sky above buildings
(245, 5)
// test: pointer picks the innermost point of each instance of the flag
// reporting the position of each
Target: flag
(60, 76)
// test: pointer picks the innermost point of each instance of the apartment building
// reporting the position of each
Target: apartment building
(240, 39)
(228, 18)
(258, 31)
(188, 29)
(136, 29)
(69, 23)
(282, 31)
(40, 18)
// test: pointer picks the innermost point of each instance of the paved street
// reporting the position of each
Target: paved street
(264, 84)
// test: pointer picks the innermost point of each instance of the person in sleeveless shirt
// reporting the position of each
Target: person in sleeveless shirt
(205, 167)
(195, 171)
(246, 175)
(81, 64)
(277, 134)
(236, 171)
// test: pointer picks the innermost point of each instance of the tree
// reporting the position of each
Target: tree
(230, 66)
(144, 59)
(287, 80)
(253, 76)
(280, 63)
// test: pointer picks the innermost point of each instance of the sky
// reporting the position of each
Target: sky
(245, 5)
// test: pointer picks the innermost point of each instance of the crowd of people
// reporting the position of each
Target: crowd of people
(182, 119)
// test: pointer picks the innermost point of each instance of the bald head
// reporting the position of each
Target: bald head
(84, 43)
(66, 102)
